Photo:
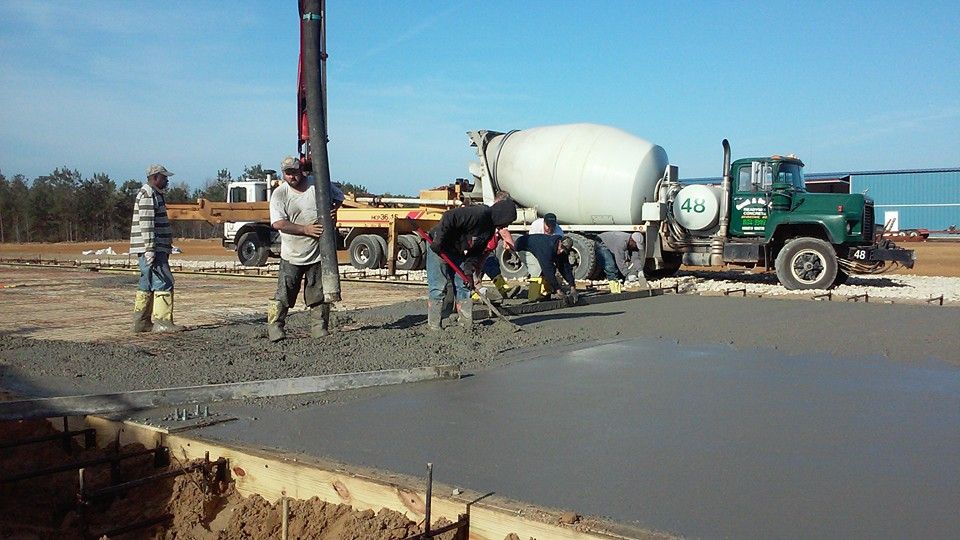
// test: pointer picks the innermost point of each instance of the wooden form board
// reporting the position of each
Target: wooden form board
(272, 477)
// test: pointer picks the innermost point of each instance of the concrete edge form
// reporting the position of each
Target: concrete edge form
(273, 475)
(148, 399)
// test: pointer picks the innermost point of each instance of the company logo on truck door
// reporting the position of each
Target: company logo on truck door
(754, 214)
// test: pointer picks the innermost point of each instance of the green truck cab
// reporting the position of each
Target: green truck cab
(811, 240)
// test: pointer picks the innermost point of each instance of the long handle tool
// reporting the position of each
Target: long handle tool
(446, 258)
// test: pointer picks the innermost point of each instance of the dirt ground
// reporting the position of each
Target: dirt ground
(934, 258)
(199, 507)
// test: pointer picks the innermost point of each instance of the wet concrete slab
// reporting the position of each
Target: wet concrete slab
(700, 441)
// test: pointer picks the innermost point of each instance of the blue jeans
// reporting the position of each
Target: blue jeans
(490, 266)
(440, 276)
(608, 261)
(156, 277)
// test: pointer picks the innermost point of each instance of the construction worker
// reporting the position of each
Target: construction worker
(622, 255)
(151, 239)
(546, 255)
(293, 212)
(463, 235)
(546, 225)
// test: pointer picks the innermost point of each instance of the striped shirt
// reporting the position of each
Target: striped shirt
(150, 229)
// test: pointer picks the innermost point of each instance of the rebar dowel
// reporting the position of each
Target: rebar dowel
(148, 479)
(87, 433)
(865, 296)
(75, 465)
(828, 295)
(426, 514)
(285, 518)
(936, 299)
(728, 292)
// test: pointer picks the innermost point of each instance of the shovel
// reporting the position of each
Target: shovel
(459, 272)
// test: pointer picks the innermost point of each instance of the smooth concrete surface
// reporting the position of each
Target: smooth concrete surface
(703, 442)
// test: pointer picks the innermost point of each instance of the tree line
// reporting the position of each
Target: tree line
(63, 206)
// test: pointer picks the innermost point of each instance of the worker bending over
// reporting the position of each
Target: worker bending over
(622, 255)
(463, 234)
(151, 240)
(293, 212)
(545, 256)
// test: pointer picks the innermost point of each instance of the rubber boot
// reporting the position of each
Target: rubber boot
(142, 310)
(320, 321)
(535, 290)
(615, 286)
(434, 314)
(502, 286)
(163, 312)
(465, 308)
(276, 321)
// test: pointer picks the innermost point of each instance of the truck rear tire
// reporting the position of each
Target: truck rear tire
(584, 257)
(252, 250)
(511, 264)
(807, 263)
(671, 265)
(365, 252)
(409, 256)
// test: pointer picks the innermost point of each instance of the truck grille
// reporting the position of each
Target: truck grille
(868, 225)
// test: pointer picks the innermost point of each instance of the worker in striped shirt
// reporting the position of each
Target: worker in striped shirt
(151, 239)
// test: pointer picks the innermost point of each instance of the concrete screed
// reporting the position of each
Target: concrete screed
(702, 416)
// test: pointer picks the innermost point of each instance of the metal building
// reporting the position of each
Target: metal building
(909, 199)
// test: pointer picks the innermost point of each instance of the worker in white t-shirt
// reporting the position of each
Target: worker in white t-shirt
(546, 225)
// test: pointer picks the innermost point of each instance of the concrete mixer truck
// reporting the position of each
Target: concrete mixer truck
(599, 178)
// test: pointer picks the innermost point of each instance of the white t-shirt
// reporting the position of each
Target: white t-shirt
(537, 228)
(300, 208)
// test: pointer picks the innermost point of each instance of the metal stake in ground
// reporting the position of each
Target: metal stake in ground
(459, 272)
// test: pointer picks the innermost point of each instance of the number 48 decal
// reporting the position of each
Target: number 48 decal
(699, 205)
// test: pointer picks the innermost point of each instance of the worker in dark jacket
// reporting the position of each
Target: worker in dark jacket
(462, 234)
(546, 255)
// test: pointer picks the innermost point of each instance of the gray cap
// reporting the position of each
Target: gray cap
(158, 169)
(289, 162)
(637, 238)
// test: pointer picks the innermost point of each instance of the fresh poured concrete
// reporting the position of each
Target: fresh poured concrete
(700, 441)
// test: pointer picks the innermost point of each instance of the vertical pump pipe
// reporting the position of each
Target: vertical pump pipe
(716, 246)
(312, 22)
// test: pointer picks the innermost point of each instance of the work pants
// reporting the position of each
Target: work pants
(608, 261)
(440, 277)
(289, 279)
(156, 276)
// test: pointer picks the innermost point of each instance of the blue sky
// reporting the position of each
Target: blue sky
(199, 86)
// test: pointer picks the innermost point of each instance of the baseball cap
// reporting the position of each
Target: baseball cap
(289, 162)
(637, 238)
(550, 219)
(158, 169)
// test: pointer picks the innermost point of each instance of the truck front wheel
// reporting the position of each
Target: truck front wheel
(807, 263)
(252, 250)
